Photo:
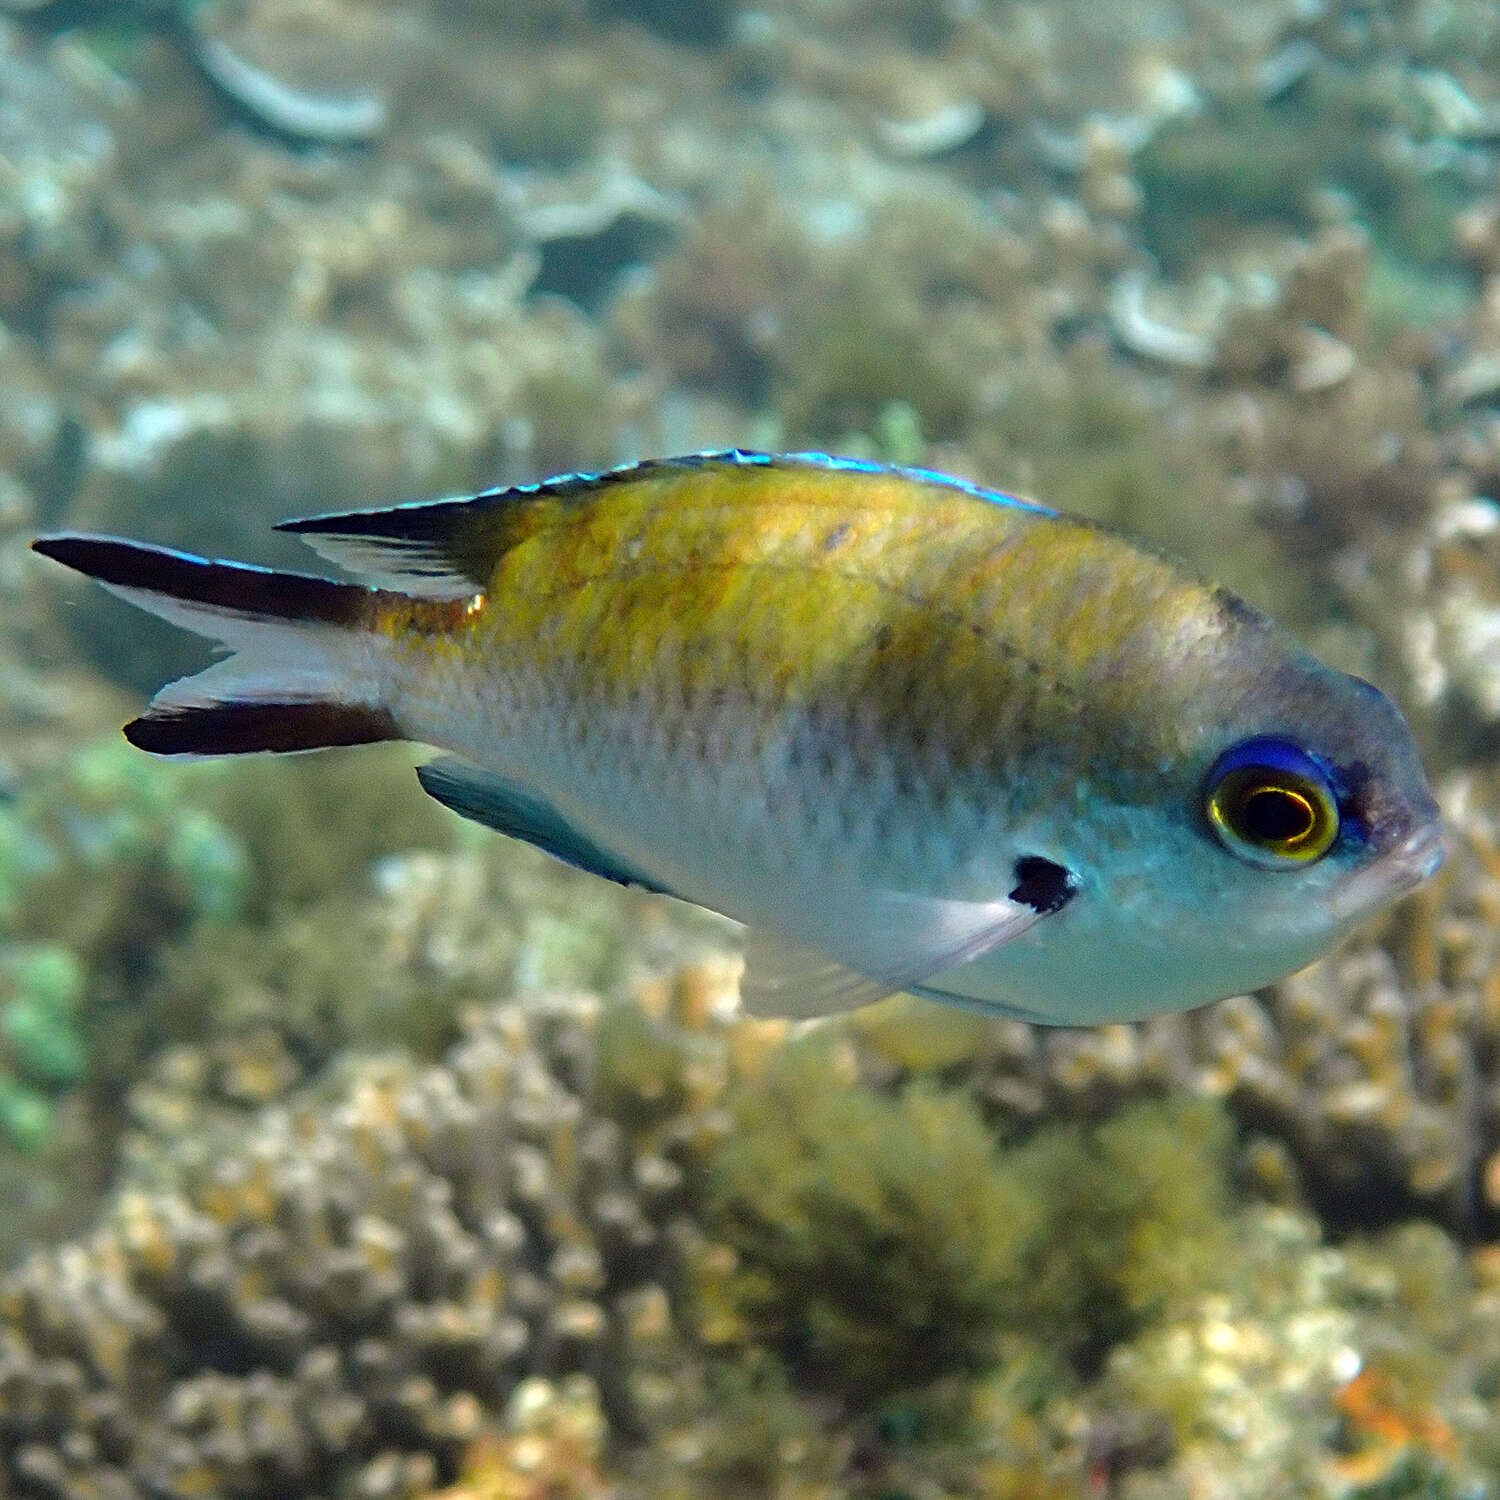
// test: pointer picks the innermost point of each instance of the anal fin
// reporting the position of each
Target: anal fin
(496, 802)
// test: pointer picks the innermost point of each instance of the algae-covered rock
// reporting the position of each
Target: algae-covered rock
(884, 1242)
(881, 1245)
(777, 1279)
(102, 867)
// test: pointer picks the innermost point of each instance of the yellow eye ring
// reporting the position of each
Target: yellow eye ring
(1269, 803)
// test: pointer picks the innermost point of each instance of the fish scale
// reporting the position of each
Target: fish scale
(678, 627)
(917, 734)
(677, 619)
(898, 649)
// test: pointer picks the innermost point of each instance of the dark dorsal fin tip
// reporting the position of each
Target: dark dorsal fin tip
(451, 546)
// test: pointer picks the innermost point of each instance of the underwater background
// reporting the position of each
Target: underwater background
(348, 1151)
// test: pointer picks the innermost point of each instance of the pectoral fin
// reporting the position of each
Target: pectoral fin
(909, 939)
(788, 979)
(517, 811)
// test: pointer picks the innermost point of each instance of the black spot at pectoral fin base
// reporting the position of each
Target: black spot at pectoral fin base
(1042, 885)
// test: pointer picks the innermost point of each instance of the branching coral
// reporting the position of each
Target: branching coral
(337, 1304)
(775, 1279)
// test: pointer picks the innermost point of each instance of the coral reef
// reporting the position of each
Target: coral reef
(389, 961)
(1227, 276)
(358, 1283)
(593, 1253)
(548, 1447)
(1336, 1325)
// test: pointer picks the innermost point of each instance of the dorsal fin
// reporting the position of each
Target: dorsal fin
(436, 549)
(448, 548)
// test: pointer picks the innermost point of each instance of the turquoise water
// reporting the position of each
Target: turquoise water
(350, 1151)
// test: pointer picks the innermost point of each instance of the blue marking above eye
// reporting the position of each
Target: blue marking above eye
(1286, 755)
(1275, 755)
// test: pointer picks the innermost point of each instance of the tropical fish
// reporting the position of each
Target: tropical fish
(917, 735)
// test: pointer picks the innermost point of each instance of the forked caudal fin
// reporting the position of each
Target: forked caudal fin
(303, 673)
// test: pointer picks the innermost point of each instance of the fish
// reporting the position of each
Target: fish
(915, 734)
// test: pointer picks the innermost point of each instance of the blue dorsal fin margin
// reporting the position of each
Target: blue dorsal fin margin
(388, 521)
(570, 484)
(445, 548)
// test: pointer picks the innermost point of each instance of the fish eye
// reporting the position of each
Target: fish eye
(1272, 804)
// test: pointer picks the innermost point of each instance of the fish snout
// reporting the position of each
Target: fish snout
(1419, 856)
(1402, 868)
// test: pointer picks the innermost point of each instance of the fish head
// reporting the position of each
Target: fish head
(1311, 797)
(1290, 805)
(1230, 819)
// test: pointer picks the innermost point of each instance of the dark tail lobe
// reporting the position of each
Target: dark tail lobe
(305, 665)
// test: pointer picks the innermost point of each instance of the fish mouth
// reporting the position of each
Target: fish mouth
(1413, 861)
(1418, 858)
